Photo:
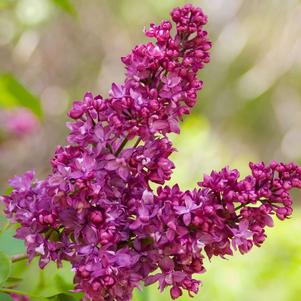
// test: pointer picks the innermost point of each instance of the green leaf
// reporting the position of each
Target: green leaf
(4, 227)
(143, 294)
(14, 94)
(67, 6)
(12, 281)
(5, 297)
(10, 245)
(5, 267)
(46, 283)
(9, 190)
(67, 297)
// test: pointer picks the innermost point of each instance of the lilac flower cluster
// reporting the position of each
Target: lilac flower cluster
(97, 209)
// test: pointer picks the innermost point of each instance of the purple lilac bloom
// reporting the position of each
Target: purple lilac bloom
(98, 210)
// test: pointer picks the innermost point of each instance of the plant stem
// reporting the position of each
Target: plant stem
(12, 291)
(137, 142)
(19, 257)
(109, 146)
(17, 292)
(122, 145)
(240, 206)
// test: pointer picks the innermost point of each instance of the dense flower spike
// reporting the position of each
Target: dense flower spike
(97, 208)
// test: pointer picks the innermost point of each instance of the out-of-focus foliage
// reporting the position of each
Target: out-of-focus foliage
(65, 297)
(5, 3)
(66, 5)
(250, 109)
(45, 283)
(14, 94)
(5, 267)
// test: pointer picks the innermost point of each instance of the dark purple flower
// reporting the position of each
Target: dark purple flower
(97, 208)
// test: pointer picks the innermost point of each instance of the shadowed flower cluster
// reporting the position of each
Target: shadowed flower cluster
(97, 209)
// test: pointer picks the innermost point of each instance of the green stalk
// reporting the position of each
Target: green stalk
(19, 257)
(17, 292)
(122, 145)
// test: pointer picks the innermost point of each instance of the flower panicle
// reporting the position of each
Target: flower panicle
(97, 209)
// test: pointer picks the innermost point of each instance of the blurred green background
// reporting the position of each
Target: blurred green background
(249, 110)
